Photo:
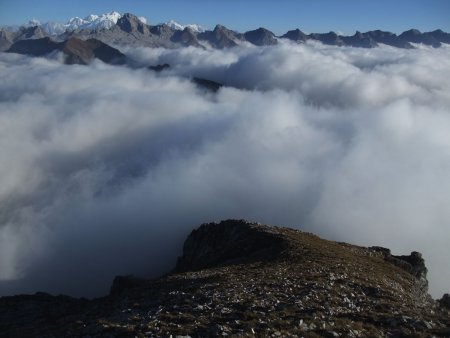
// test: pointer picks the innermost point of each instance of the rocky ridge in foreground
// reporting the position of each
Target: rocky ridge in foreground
(246, 279)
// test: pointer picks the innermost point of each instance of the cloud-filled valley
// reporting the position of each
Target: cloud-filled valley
(105, 169)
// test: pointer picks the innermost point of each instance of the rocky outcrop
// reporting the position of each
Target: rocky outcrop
(413, 263)
(131, 24)
(445, 301)
(228, 242)
(238, 278)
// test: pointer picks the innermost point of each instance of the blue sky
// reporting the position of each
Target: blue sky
(309, 15)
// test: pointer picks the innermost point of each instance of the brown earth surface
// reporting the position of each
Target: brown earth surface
(237, 278)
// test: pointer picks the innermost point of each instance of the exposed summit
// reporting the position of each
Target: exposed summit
(131, 24)
(241, 278)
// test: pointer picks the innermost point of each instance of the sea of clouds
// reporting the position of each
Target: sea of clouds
(104, 170)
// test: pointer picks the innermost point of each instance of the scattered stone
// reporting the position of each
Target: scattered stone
(238, 278)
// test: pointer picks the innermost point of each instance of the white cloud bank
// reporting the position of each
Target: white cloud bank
(104, 170)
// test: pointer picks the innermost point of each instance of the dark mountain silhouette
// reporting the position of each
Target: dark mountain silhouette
(330, 38)
(261, 37)
(359, 40)
(388, 38)
(186, 37)
(296, 35)
(209, 85)
(414, 35)
(84, 51)
(76, 51)
(34, 47)
(237, 278)
(159, 68)
(221, 37)
(162, 31)
(440, 36)
(131, 24)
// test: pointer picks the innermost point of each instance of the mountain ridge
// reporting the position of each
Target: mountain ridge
(75, 51)
(110, 29)
(243, 278)
(178, 26)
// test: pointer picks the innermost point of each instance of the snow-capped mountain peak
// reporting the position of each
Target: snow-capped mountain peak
(33, 22)
(103, 21)
(75, 22)
(91, 21)
(91, 18)
(175, 25)
(112, 16)
(143, 19)
(94, 21)
(178, 26)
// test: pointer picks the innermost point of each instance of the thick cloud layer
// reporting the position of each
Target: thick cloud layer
(104, 170)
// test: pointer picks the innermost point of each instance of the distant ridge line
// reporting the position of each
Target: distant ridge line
(128, 29)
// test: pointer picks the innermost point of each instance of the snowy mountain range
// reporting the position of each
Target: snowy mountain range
(95, 22)
(91, 22)
(117, 29)
(179, 27)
